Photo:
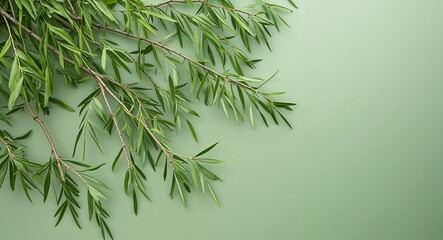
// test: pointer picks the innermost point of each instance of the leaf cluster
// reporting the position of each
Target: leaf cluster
(181, 51)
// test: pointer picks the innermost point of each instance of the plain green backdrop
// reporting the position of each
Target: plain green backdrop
(364, 160)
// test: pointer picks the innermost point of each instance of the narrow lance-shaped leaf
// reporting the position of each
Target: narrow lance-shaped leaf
(206, 150)
(191, 128)
(5, 47)
(15, 83)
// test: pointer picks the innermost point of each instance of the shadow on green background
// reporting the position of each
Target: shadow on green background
(364, 161)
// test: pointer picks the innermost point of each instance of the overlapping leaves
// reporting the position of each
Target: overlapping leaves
(140, 95)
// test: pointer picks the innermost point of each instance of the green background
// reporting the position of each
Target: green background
(364, 161)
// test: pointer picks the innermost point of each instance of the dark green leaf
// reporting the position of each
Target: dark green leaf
(114, 163)
(206, 150)
(191, 128)
(47, 184)
(135, 203)
(214, 196)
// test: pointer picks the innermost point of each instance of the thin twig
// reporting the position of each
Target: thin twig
(117, 127)
(48, 136)
(59, 161)
(189, 59)
(164, 150)
(195, 62)
(76, 173)
(8, 148)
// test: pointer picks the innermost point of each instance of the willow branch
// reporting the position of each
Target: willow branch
(87, 70)
(48, 137)
(99, 79)
(76, 173)
(159, 144)
(117, 127)
(189, 59)
(185, 57)
(145, 126)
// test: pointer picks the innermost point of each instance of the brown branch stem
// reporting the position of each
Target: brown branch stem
(8, 148)
(185, 57)
(48, 137)
(189, 59)
(117, 127)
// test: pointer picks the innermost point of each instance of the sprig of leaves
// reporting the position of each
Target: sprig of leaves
(141, 95)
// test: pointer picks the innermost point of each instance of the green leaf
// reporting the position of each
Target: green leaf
(3, 171)
(24, 136)
(180, 190)
(249, 79)
(172, 89)
(15, 83)
(209, 160)
(202, 182)
(139, 171)
(47, 184)
(214, 196)
(189, 111)
(160, 15)
(225, 110)
(142, 188)
(242, 23)
(165, 170)
(48, 85)
(242, 98)
(90, 169)
(105, 225)
(94, 180)
(126, 181)
(191, 128)
(61, 59)
(285, 120)
(104, 57)
(90, 206)
(61, 212)
(80, 131)
(61, 104)
(103, 8)
(194, 173)
(292, 3)
(147, 26)
(114, 163)
(135, 202)
(62, 33)
(172, 188)
(208, 173)
(206, 150)
(25, 186)
(151, 161)
(5, 47)
(96, 194)
(139, 136)
(251, 115)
